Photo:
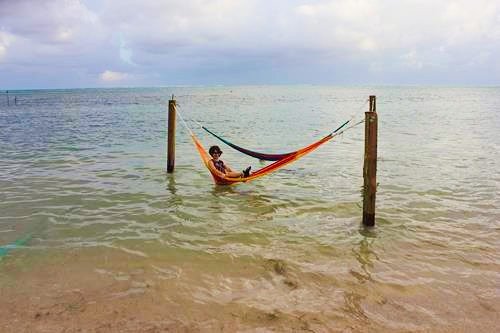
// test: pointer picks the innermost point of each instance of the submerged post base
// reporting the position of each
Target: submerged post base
(368, 220)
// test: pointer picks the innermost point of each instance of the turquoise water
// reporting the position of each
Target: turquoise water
(85, 171)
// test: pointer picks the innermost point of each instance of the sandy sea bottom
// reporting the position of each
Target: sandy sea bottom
(119, 290)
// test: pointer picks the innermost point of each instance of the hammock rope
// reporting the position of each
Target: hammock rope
(183, 121)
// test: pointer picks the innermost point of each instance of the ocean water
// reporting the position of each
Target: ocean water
(86, 208)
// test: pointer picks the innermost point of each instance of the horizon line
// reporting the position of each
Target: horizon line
(435, 85)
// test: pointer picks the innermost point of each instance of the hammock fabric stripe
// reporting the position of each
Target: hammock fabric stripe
(263, 156)
(261, 172)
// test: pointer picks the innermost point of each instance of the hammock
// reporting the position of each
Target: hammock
(262, 156)
(278, 164)
(291, 157)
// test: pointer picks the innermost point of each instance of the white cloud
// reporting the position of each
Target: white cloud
(161, 25)
(125, 53)
(56, 21)
(110, 76)
(468, 21)
(64, 35)
(5, 41)
(411, 59)
(306, 10)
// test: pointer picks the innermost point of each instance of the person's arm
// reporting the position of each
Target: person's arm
(215, 170)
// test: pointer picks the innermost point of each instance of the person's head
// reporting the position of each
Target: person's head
(215, 151)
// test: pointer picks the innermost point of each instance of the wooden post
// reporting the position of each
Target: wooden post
(8, 101)
(370, 164)
(171, 136)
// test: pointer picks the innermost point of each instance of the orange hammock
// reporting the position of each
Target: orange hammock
(261, 172)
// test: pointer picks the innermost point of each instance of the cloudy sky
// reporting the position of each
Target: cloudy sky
(107, 43)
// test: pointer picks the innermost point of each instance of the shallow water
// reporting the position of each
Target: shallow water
(82, 178)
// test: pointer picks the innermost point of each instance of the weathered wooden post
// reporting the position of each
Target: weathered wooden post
(171, 136)
(370, 164)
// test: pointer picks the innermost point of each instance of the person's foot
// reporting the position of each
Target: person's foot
(246, 172)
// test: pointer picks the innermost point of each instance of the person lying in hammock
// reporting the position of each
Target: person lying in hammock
(224, 169)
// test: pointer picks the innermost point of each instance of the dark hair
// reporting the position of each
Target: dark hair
(214, 149)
